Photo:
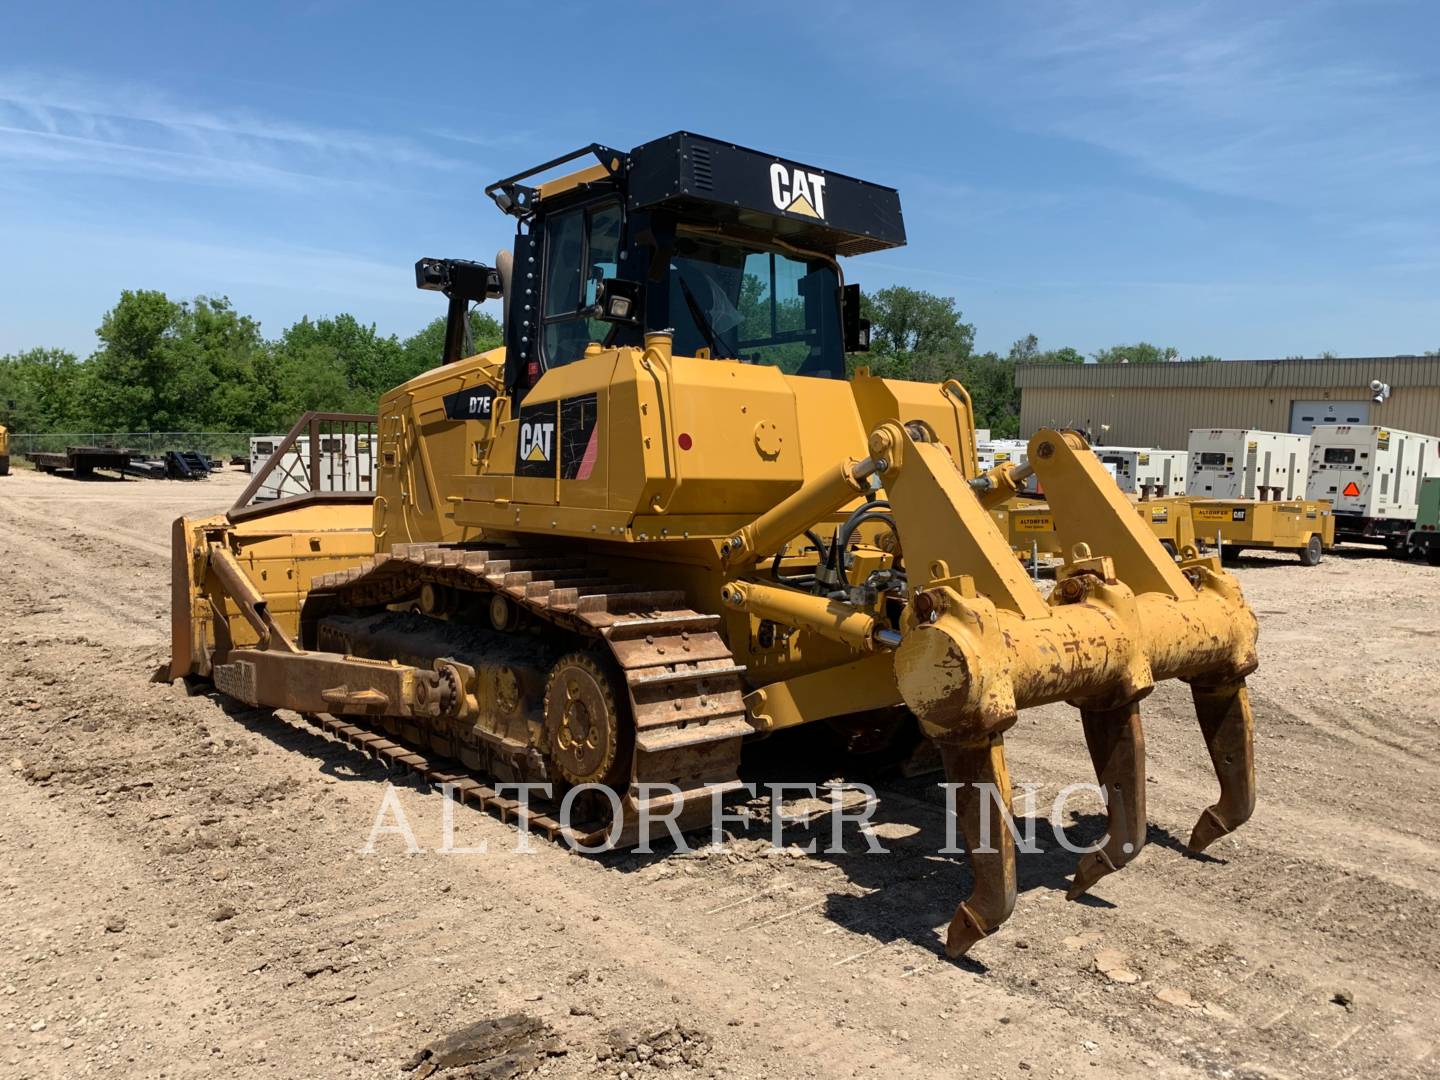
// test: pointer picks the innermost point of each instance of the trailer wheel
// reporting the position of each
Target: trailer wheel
(1311, 552)
(1230, 554)
(1169, 547)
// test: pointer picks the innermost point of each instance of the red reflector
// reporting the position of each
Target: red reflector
(685, 441)
(1351, 489)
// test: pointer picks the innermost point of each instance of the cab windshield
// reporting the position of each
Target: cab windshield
(743, 302)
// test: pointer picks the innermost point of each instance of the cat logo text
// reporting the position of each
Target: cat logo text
(797, 191)
(537, 440)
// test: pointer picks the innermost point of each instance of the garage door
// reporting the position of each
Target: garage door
(1306, 416)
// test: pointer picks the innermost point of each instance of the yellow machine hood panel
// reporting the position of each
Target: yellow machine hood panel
(639, 440)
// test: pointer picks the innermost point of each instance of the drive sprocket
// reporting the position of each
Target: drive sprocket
(591, 737)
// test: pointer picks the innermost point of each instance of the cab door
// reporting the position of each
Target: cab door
(562, 419)
(581, 249)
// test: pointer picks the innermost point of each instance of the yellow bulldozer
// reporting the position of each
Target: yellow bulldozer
(4, 451)
(662, 521)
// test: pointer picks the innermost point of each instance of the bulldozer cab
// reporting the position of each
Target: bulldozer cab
(732, 251)
(676, 328)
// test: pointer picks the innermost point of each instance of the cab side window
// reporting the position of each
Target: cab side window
(564, 247)
(582, 248)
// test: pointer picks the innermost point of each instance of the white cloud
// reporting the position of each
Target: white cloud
(1240, 101)
(1264, 101)
(59, 123)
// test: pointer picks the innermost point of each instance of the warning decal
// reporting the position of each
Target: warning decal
(1351, 488)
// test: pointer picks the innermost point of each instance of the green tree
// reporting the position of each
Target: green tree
(368, 363)
(42, 390)
(133, 375)
(168, 365)
(1027, 351)
(923, 337)
(1140, 353)
(424, 349)
(904, 320)
(216, 352)
(299, 377)
(990, 379)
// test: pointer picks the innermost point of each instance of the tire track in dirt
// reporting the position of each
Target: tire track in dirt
(127, 605)
(1283, 820)
(37, 518)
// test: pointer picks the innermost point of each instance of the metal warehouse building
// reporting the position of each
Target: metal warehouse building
(1158, 404)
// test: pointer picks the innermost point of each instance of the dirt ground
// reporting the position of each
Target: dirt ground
(184, 892)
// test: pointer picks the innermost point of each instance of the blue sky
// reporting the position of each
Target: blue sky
(1242, 179)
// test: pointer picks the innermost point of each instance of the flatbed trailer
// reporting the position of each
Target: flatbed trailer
(82, 461)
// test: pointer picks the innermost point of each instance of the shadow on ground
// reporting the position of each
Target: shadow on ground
(904, 892)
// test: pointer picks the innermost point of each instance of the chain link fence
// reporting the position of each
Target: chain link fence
(219, 444)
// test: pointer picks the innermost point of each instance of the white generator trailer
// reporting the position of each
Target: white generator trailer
(1015, 452)
(1010, 451)
(1372, 475)
(261, 447)
(992, 452)
(1138, 469)
(1241, 463)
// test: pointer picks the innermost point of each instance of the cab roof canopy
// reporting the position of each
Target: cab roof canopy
(744, 191)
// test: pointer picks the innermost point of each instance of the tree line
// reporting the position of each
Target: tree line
(176, 365)
(200, 365)
(918, 335)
